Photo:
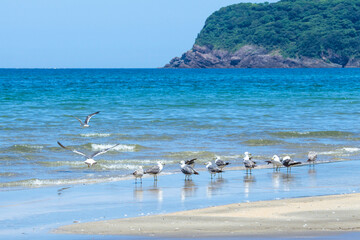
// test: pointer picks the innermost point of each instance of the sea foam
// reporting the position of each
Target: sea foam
(120, 148)
(95, 135)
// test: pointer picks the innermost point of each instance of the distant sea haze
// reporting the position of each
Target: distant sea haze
(170, 115)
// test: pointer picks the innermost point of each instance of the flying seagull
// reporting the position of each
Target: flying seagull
(155, 170)
(213, 170)
(288, 163)
(276, 162)
(191, 162)
(87, 120)
(249, 164)
(220, 163)
(187, 170)
(89, 159)
(139, 173)
(312, 158)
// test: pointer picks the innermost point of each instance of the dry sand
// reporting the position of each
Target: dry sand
(310, 215)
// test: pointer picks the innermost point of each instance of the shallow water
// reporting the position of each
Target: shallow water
(32, 213)
(170, 115)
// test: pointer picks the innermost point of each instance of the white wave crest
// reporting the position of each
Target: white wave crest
(28, 146)
(35, 183)
(120, 148)
(120, 166)
(95, 135)
(353, 149)
(346, 151)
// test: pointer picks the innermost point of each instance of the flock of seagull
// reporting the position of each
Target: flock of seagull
(187, 167)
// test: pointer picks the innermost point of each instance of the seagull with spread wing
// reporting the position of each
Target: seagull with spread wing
(88, 158)
(87, 120)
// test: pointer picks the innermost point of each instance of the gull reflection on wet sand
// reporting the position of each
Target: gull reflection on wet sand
(188, 190)
(156, 192)
(249, 180)
(215, 186)
(138, 193)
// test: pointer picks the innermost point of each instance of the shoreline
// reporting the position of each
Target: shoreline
(63, 182)
(295, 216)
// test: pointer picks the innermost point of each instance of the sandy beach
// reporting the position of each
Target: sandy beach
(303, 216)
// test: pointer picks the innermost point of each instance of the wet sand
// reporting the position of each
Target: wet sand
(300, 216)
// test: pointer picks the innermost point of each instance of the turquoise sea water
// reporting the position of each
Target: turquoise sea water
(170, 115)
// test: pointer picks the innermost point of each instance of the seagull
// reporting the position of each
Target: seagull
(220, 163)
(89, 159)
(312, 158)
(288, 162)
(212, 169)
(187, 170)
(249, 164)
(86, 123)
(155, 170)
(139, 173)
(276, 162)
(191, 162)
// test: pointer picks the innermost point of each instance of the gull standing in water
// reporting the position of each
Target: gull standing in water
(312, 158)
(288, 163)
(276, 162)
(89, 158)
(248, 162)
(220, 163)
(139, 173)
(86, 123)
(155, 170)
(187, 170)
(212, 169)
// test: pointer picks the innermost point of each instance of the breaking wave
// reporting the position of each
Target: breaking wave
(35, 182)
(95, 135)
(119, 148)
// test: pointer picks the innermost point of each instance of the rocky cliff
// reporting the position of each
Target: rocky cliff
(251, 56)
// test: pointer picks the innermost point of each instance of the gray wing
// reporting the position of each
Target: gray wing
(187, 170)
(79, 120)
(153, 170)
(88, 117)
(102, 151)
(220, 163)
(214, 169)
(249, 164)
(73, 150)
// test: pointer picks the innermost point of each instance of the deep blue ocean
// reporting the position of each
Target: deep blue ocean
(170, 115)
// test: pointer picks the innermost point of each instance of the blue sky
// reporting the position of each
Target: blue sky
(96, 34)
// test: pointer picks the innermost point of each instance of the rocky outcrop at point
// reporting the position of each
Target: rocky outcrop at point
(250, 56)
